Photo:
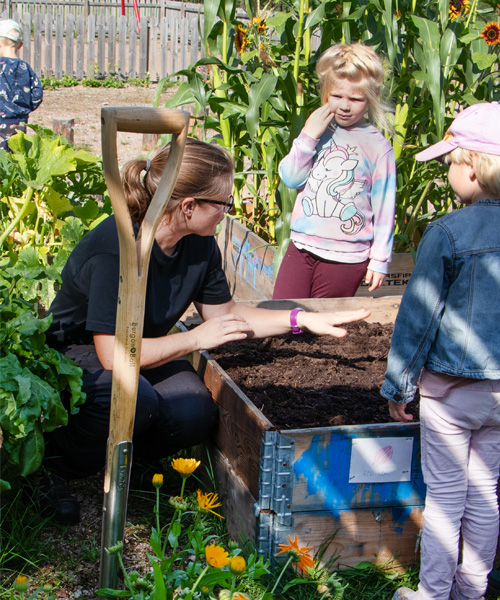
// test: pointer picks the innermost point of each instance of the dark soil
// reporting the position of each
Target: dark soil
(302, 381)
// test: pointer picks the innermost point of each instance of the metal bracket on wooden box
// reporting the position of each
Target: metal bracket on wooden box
(274, 508)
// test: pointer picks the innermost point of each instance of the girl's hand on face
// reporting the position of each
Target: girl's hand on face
(219, 330)
(398, 412)
(326, 323)
(374, 279)
(318, 121)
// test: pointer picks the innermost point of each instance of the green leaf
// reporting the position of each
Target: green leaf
(484, 61)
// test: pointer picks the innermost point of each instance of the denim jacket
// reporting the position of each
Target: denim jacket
(449, 318)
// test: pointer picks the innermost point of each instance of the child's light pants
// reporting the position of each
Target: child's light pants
(460, 429)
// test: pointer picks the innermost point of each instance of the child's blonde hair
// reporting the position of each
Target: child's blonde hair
(362, 66)
(8, 43)
(486, 167)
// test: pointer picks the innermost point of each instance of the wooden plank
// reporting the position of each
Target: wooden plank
(174, 43)
(101, 45)
(132, 54)
(143, 47)
(37, 44)
(70, 44)
(112, 45)
(381, 536)
(184, 42)
(91, 45)
(80, 47)
(26, 25)
(241, 424)
(153, 67)
(122, 45)
(164, 26)
(59, 53)
(48, 45)
(237, 500)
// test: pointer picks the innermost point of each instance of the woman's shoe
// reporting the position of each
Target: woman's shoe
(54, 500)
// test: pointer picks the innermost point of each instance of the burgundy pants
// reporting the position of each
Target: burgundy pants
(303, 275)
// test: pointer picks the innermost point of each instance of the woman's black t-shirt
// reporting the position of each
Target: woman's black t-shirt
(87, 300)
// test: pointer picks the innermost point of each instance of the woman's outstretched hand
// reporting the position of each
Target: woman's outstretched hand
(326, 323)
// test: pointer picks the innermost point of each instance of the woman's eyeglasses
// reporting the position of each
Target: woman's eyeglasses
(227, 205)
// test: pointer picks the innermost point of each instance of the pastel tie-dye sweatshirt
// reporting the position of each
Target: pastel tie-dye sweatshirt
(345, 208)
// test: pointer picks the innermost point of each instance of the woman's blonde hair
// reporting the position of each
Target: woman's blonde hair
(486, 167)
(362, 66)
(206, 171)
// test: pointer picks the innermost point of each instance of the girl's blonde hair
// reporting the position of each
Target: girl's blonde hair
(486, 167)
(206, 172)
(8, 43)
(362, 66)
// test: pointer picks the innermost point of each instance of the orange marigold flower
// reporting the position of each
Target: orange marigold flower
(226, 595)
(157, 480)
(457, 6)
(216, 556)
(21, 584)
(185, 466)
(491, 33)
(207, 502)
(237, 565)
(299, 555)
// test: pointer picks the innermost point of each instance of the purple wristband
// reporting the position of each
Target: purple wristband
(293, 320)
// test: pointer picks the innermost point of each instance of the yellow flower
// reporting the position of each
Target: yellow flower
(456, 8)
(21, 584)
(216, 556)
(226, 595)
(237, 565)
(185, 466)
(207, 502)
(299, 555)
(157, 480)
(491, 33)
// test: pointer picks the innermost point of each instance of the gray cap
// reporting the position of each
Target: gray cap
(11, 30)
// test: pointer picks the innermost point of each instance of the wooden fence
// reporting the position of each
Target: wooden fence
(146, 8)
(89, 46)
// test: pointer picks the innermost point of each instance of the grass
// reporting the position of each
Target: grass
(48, 553)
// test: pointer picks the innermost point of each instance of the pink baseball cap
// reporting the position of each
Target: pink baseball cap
(476, 128)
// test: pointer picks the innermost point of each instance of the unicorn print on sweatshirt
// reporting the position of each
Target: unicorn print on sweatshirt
(332, 186)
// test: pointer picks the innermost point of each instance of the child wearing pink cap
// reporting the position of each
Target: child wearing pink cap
(446, 342)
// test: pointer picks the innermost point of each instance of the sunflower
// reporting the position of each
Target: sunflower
(185, 466)
(298, 555)
(216, 556)
(456, 8)
(240, 39)
(207, 502)
(491, 33)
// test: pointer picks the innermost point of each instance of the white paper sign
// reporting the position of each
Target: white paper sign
(379, 460)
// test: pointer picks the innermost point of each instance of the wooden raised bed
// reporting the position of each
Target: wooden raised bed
(309, 482)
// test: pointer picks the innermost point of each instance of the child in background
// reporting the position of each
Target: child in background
(446, 340)
(20, 90)
(342, 223)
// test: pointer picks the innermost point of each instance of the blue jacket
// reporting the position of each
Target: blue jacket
(20, 90)
(449, 318)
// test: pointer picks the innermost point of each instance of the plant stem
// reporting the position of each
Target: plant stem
(28, 193)
(290, 559)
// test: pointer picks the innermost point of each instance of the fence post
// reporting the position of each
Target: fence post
(143, 47)
(80, 46)
(70, 39)
(112, 66)
(59, 47)
(37, 46)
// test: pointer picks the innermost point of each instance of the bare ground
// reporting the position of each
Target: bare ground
(84, 105)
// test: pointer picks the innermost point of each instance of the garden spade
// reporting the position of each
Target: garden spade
(135, 252)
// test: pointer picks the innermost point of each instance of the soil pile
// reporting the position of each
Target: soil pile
(302, 381)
